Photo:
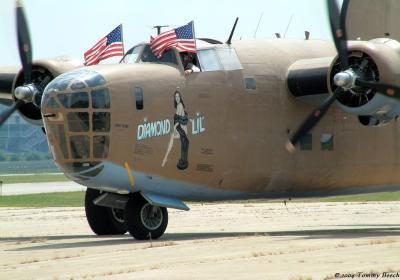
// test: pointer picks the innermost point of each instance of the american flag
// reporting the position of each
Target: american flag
(182, 38)
(108, 46)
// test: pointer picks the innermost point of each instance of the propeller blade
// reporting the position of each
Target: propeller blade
(310, 122)
(385, 89)
(338, 27)
(343, 16)
(7, 113)
(24, 42)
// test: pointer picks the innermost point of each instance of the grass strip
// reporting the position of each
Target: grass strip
(76, 199)
(36, 178)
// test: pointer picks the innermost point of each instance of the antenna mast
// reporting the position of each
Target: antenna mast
(258, 25)
(158, 27)
(287, 27)
(233, 30)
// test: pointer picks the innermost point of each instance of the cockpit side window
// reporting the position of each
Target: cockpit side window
(217, 59)
(209, 60)
(190, 62)
(148, 56)
(229, 58)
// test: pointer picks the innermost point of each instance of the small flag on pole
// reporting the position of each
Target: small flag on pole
(182, 38)
(108, 46)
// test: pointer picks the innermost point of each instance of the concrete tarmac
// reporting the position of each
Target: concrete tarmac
(31, 188)
(211, 241)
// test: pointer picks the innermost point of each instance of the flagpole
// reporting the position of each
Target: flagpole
(194, 36)
(122, 39)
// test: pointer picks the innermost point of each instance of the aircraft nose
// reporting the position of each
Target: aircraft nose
(76, 109)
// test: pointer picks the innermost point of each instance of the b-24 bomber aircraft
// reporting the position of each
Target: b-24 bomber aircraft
(143, 137)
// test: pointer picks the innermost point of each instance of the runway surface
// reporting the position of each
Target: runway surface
(30, 188)
(212, 241)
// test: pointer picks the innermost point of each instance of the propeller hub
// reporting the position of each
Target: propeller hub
(26, 92)
(345, 79)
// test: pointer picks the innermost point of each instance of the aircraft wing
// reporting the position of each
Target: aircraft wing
(370, 19)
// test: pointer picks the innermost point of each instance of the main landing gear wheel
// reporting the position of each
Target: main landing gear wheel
(143, 220)
(103, 220)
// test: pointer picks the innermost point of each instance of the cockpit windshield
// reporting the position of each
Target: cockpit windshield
(148, 56)
(132, 55)
(143, 54)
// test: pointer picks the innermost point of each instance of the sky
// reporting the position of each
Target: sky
(72, 27)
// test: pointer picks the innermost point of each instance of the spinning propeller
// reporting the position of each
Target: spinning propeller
(28, 91)
(345, 80)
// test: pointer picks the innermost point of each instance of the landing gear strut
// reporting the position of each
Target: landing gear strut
(143, 220)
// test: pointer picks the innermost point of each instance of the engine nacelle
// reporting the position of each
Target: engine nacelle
(43, 72)
(376, 60)
(307, 79)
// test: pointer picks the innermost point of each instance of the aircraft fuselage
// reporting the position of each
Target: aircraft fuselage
(214, 135)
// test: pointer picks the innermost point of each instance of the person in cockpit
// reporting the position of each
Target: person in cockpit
(188, 63)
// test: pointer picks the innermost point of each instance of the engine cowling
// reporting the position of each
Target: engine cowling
(378, 61)
(43, 72)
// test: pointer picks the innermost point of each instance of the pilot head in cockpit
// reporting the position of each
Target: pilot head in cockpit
(188, 63)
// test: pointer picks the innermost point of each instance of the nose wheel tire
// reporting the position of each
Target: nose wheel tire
(103, 220)
(143, 220)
